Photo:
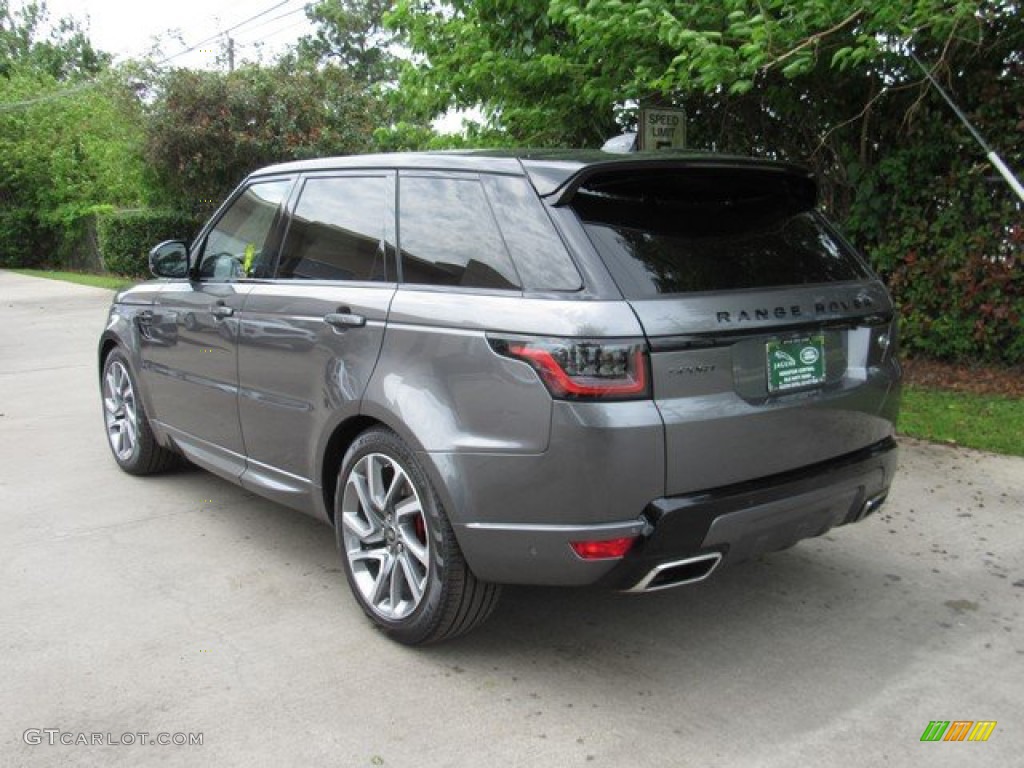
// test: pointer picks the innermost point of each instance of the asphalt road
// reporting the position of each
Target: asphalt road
(182, 604)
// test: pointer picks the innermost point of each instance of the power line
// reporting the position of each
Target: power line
(253, 36)
(12, 106)
(215, 37)
(276, 18)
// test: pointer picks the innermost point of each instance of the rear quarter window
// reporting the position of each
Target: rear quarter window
(539, 254)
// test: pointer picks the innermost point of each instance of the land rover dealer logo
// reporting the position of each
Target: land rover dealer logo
(809, 356)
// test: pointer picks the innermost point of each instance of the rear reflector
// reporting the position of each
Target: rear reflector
(603, 550)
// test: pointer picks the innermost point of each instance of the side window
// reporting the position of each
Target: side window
(239, 244)
(342, 229)
(540, 255)
(449, 235)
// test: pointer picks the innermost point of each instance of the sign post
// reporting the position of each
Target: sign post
(662, 128)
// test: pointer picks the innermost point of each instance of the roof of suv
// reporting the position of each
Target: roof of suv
(549, 170)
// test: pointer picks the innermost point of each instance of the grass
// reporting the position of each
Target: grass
(111, 282)
(987, 422)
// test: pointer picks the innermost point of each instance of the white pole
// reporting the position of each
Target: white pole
(997, 161)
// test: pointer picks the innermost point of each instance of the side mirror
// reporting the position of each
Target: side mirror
(169, 259)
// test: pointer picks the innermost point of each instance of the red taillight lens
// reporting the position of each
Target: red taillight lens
(603, 550)
(583, 369)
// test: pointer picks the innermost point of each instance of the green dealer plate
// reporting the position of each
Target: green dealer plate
(795, 363)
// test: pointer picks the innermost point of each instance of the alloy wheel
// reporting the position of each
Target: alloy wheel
(120, 411)
(384, 536)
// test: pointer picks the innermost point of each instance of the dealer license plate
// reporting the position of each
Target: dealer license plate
(795, 363)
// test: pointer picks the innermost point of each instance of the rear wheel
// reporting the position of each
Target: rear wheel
(401, 558)
(129, 435)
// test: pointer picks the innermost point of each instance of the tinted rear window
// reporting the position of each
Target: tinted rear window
(684, 231)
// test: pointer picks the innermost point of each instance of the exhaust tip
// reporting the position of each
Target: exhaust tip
(869, 508)
(677, 573)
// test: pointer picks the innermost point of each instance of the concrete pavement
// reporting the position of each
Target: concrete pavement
(182, 604)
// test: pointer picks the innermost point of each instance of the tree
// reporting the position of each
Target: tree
(516, 61)
(70, 136)
(351, 35)
(820, 82)
(208, 130)
(66, 54)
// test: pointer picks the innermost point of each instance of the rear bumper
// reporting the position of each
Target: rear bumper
(684, 538)
(749, 519)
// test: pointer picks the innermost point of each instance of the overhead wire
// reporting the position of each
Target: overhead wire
(11, 106)
(220, 34)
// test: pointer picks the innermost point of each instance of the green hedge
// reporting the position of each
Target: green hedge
(951, 253)
(23, 242)
(126, 237)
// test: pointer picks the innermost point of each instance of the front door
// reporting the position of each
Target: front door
(192, 373)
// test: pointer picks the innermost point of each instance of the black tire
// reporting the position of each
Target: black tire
(129, 435)
(402, 540)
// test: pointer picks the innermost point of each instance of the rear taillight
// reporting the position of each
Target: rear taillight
(583, 369)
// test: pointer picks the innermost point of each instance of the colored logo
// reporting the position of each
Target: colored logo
(958, 730)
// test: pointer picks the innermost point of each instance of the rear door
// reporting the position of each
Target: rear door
(769, 336)
(309, 336)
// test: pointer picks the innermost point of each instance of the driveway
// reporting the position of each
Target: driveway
(183, 605)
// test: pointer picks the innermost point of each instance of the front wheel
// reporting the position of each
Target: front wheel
(401, 558)
(129, 435)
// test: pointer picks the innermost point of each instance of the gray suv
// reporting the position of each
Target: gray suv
(485, 368)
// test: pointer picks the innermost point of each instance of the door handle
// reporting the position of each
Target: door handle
(221, 311)
(344, 320)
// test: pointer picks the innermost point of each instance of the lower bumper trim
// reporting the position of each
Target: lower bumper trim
(741, 522)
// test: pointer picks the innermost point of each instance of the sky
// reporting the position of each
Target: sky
(130, 28)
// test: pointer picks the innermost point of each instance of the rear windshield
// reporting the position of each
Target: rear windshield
(685, 231)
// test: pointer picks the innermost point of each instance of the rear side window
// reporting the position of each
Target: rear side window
(342, 229)
(449, 235)
(683, 231)
(539, 254)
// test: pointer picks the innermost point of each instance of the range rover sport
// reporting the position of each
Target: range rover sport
(560, 368)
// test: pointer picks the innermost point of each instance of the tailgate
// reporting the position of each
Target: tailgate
(771, 340)
(734, 411)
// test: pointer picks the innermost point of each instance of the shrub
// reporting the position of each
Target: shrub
(126, 237)
(23, 242)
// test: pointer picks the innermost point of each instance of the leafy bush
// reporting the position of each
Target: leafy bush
(64, 149)
(207, 130)
(957, 279)
(126, 237)
(23, 242)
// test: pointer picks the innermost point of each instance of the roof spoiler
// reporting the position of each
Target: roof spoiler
(559, 190)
